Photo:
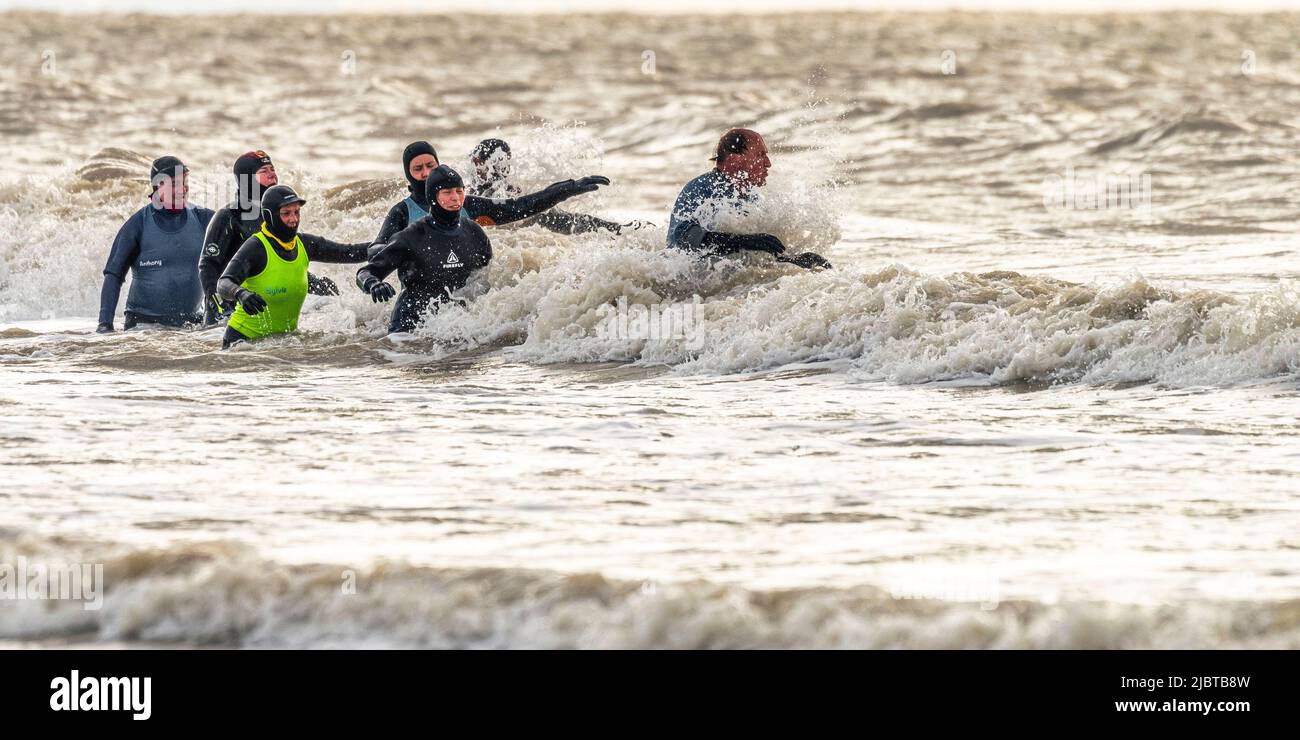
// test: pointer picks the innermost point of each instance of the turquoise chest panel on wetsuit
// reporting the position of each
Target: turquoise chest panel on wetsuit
(415, 212)
(165, 275)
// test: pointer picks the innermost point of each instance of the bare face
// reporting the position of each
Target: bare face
(266, 176)
(451, 199)
(421, 166)
(748, 168)
(173, 193)
(291, 214)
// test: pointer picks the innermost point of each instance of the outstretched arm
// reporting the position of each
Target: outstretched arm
(688, 234)
(719, 242)
(562, 222)
(489, 212)
(685, 232)
(320, 249)
(724, 243)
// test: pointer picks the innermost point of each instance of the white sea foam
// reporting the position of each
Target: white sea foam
(1100, 407)
(221, 594)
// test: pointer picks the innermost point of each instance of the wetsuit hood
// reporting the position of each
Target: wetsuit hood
(491, 158)
(248, 189)
(487, 147)
(442, 178)
(413, 150)
(273, 200)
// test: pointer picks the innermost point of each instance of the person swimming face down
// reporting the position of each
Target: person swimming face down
(742, 157)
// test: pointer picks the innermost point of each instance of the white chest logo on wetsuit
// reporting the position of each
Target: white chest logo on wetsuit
(452, 261)
(149, 263)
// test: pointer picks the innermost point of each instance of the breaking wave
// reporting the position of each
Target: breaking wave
(222, 594)
(597, 298)
(892, 324)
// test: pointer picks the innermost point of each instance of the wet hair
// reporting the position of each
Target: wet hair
(735, 141)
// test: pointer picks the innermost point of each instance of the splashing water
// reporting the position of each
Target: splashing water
(1001, 420)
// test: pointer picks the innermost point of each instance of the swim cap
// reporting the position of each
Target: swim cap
(167, 166)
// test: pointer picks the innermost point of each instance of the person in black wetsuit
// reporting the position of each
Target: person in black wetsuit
(420, 158)
(491, 179)
(741, 167)
(266, 280)
(158, 244)
(235, 224)
(433, 256)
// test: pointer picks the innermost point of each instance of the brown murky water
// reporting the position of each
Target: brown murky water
(1007, 418)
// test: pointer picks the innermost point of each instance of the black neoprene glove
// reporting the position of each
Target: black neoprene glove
(381, 292)
(587, 184)
(253, 303)
(807, 260)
